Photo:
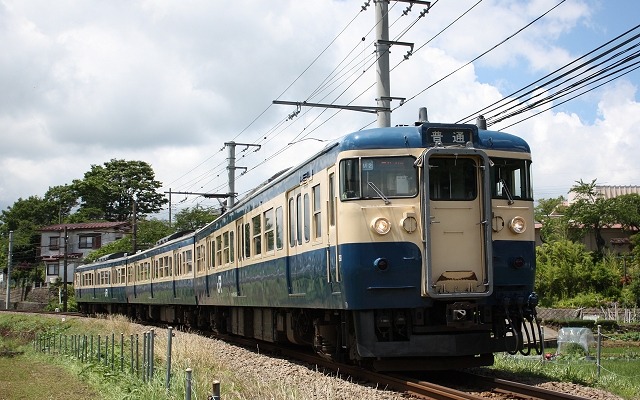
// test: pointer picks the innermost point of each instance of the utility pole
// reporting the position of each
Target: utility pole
(383, 108)
(134, 236)
(64, 269)
(9, 261)
(382, 67)
(231, 168)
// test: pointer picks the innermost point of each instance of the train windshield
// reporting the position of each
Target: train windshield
(511, 179)
(378, 177)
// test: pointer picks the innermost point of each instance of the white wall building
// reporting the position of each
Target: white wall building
(82, 238)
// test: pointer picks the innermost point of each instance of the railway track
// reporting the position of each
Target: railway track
(423, 388)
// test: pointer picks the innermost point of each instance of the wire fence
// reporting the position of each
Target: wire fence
(135, 355)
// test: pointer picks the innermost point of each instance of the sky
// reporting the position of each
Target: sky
(169, 82)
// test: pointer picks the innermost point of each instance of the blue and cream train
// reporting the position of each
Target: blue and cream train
(409, 247)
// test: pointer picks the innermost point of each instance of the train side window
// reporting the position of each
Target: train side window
(218, 250)
(232, 245)
(299, 219)
(161, 268)
(189, 261)
(317, 220)
(292, 223)
(257, 235)
(269, 237)
(225, 248)
(279, 232)
(247, 240)
(200, 255)
(307, 218)
(129, 273)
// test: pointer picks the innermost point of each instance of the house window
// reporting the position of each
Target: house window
(54, 243)
(89, 241)
(53, 269)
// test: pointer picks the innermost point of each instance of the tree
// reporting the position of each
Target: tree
(24, 218)
(625, 210)
(113, 187)
(194, 218)
(62, 199)
(589, 212)
(549, 212)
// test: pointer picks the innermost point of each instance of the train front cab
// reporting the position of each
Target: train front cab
(472, 301)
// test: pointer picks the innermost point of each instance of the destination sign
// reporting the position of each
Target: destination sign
(440, 136)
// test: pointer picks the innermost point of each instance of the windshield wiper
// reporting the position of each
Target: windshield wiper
(379, 192)
(507, 192)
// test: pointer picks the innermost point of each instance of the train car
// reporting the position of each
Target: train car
(409, 247)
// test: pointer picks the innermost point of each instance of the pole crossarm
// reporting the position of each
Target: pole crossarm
(206, 195)
(367, 109)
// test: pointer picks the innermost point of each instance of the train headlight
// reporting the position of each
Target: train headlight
(381, 225)
(517, 225)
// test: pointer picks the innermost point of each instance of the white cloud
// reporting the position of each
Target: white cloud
(169, 82)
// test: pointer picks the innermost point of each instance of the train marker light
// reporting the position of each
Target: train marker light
(381, 263)
(518, 262)
(517, 225)
(409, 223)
(381, 225)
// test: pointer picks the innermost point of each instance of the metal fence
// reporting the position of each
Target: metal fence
(135, 354)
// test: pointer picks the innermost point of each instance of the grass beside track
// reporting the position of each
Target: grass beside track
(619, 368)
(22, 377)
(37, 374)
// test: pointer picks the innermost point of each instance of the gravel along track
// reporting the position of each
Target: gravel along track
(308, 383)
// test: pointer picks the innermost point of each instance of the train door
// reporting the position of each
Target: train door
(333, 272)
(294, 265)
(457, 209)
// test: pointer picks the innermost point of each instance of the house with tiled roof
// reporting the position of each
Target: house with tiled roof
(82, 238)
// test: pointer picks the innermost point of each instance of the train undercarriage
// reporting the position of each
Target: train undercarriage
(454, 335)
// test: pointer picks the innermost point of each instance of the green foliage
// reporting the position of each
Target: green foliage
(113, 187)
(549, 213)
(194, 218)
(626, 211)
(583, 300)
(560, 265)
(589, 212)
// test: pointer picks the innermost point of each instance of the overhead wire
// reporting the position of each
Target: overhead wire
(595, 77)
(261, 114)
(571, 98)
(480, 55)
(510, 98)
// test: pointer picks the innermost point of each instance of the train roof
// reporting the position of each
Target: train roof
(419, 137)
